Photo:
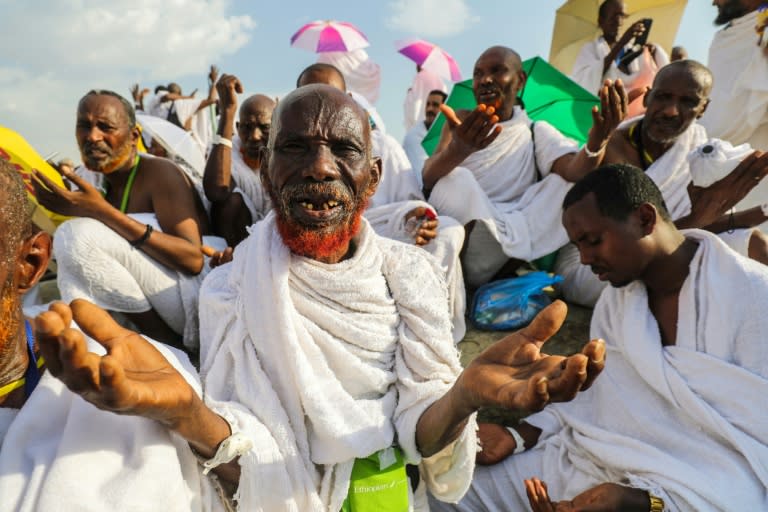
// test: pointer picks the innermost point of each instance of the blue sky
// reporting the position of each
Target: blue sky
(61, 49)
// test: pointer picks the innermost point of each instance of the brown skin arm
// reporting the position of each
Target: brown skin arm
(606, 497)
(231, 218)
(634, 30)
(497, 443)
(171, 198)
(133, 378)
(512, 373)
(459, 139)
(217, 179)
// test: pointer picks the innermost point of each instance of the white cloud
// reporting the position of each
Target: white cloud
(431, 18)
(58, 50)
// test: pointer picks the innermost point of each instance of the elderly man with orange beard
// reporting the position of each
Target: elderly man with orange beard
(327, 357)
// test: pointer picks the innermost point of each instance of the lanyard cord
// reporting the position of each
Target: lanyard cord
(128, 185)
(636, 139)
(32, 374)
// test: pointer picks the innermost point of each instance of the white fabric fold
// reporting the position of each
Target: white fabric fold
(97, 264)
(248, 183)
(415, 152)
(588, 68)
(423, 83)
(498, 186)
(62, 453)
(738, 111)
(397, 194)
(361, 74)
(320, 364)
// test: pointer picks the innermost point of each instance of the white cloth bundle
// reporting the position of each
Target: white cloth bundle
(714, 160)
(361, 74)
(498, 186)
(248, 183)
(672, 420)
(62, 453)
(319, 364)
(423, 83)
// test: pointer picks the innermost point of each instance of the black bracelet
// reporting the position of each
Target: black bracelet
(143, 238)
(731, 224)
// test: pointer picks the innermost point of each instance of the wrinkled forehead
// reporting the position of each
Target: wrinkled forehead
(679, 80)
(103, 106)
(320, 111)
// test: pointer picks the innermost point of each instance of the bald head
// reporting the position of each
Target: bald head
(694, 71)
(319, 99)
(506, 54)
(322, 73)
(255, 119)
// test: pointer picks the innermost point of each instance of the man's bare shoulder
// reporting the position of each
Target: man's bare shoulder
(620, 149)
(161, 171)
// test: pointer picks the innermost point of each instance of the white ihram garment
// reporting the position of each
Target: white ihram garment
(738, 111)
(61, 453)
(97, 264)
(361, 74)
(248, 184)
(319, 364)
(423, 83)
(397, 194)
(518, 216)
(415, 152)
(685, 422)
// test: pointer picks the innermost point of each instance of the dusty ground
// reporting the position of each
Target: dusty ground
(571, 337)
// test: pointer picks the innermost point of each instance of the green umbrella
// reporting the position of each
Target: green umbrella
(548, 96)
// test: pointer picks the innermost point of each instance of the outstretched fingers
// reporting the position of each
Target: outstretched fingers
(97, 323)
(450, 115)
(595, 354)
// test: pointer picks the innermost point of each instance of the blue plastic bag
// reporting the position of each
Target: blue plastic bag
(511, 303)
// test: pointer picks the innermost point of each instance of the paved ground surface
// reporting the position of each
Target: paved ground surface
(571, 337)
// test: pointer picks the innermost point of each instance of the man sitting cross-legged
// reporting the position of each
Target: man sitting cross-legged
(677, 420)
(135, 246)
(327, 351)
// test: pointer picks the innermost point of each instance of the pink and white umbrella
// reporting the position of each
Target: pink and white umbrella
(329, 36)
(430, 56)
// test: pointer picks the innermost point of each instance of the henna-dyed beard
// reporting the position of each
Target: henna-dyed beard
(318, 243)
(116, 160)
(10, 321)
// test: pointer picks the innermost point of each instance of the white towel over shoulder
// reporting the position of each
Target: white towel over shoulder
(320, 364)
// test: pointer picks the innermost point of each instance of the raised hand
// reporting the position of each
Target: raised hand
(633, 32)
(515, 374)
(213, 74)
(228, 87)
(132, 378)
(84, 201)
(614, 104)
(427, 228)
(710, 203)
(607, 497)
(475, 132)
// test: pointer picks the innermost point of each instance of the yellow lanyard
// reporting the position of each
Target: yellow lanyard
(13, 386)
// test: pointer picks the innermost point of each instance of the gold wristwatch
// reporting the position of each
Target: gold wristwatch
(657, 504)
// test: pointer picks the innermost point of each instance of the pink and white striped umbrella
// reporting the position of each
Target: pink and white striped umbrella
(329, 36)
(431, 57)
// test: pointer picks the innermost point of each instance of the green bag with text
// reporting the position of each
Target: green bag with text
(378, 483)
